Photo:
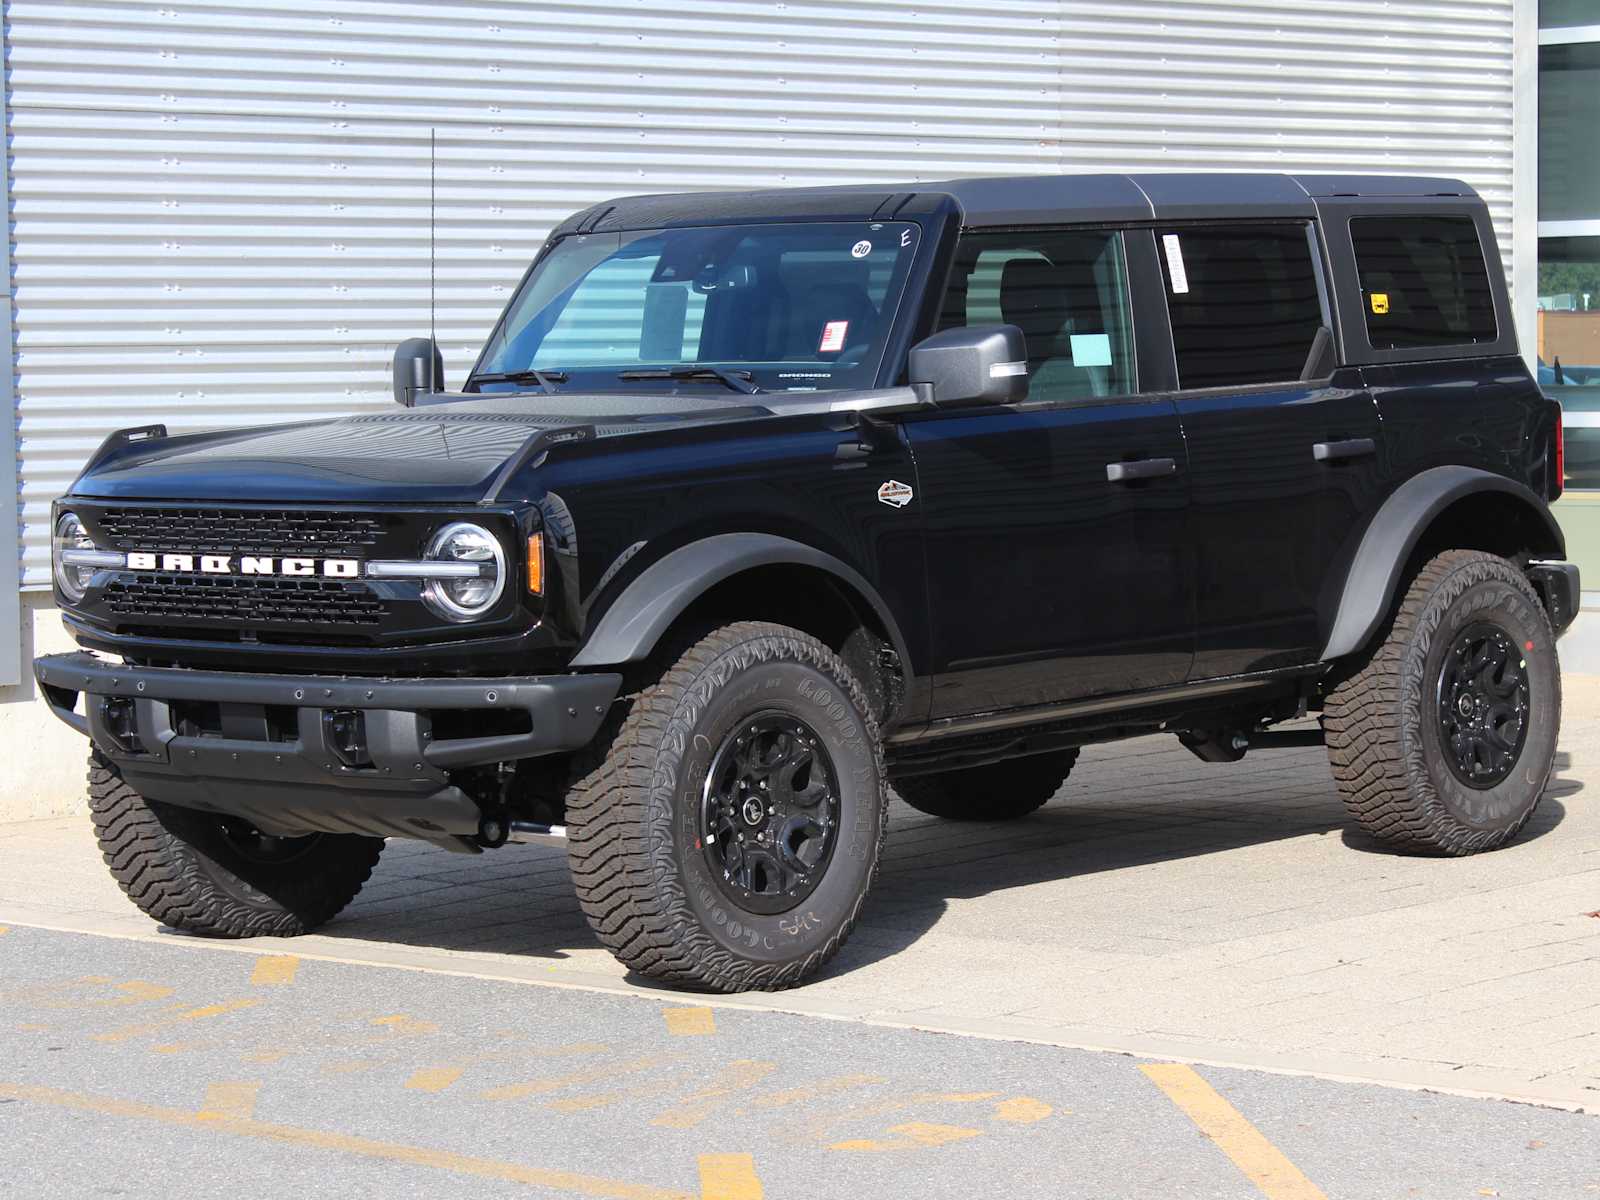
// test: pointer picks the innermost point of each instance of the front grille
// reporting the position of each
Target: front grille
(240, 531)
(243, 601)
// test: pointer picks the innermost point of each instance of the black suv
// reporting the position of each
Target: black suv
(757, 504)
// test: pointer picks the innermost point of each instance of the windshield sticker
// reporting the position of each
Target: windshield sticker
(1175, 271)
(1380, 303)
(833, 337)
(894, 493)
(861, 249)
(1091, 349)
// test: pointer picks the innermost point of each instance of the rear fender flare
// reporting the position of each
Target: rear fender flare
(1394, 533)
(634, 623)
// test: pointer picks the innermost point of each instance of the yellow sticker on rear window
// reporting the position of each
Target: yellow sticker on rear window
(1380, 302)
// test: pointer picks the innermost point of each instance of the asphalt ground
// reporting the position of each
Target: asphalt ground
(144, 1067)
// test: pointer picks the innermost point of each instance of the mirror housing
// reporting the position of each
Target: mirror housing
(980, 364)
(418, 370)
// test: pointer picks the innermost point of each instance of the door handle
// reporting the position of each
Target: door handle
(1349, 448)
(1144, 468)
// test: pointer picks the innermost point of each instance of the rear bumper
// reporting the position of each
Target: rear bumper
(302, 753)
(1558, 586)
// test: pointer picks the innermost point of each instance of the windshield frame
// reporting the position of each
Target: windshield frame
(905, 309)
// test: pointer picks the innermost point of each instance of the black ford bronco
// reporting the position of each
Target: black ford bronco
(755, 505)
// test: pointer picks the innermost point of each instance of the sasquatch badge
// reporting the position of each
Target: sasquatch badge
(894, 493)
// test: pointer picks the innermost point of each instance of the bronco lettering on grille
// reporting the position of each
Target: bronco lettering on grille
(247, 564)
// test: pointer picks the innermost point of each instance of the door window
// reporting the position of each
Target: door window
(1065, 290)
(1244, 302)
(1423, 282)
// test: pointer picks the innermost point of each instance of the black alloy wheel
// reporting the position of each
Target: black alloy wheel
(1483, 703)
(770, 813)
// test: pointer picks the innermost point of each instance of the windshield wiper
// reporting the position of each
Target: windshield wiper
(545, 379)
(739, 381)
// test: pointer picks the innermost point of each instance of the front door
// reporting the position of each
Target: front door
(1056, 542)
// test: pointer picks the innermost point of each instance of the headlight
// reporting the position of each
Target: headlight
(469, 597)
(71, 577)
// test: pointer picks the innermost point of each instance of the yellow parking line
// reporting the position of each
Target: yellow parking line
(194, 1014)
(913, 1135)
(317, 1139)
(274, 968)
(230, 1101)
(1263, 1163)
(433, 1079)
(690, 1022)
(729, 1177)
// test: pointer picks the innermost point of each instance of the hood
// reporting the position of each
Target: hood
(440, 453)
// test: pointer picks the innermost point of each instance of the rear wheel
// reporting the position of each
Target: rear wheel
(1444, 739)
(732, 820)
(214, 875)
(1002, 791)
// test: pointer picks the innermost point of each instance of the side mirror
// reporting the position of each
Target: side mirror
(418, 370)
(981, 364)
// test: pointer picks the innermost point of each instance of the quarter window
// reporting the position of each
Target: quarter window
(1244, 302)
(1423, 282)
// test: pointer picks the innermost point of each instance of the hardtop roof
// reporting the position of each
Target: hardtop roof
(1019, 199)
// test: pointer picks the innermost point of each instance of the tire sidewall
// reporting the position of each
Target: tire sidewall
(1481, 817)
(729, 692)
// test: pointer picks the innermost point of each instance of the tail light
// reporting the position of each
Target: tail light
(1558, 477)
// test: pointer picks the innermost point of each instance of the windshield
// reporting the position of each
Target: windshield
(789, 307)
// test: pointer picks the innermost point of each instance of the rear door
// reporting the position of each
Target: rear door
(1284, 445)
(1056, 538)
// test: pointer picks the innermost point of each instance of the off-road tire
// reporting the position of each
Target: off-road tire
(179, 867)
(634, 812)
(1381, 722)
(1001, 791)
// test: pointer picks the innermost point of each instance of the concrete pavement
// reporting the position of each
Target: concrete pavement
(1159, 906)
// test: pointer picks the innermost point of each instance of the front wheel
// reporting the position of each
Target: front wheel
(208, 874)
(732, 819)
(1443, 740)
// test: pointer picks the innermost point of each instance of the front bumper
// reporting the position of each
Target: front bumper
(297, 754)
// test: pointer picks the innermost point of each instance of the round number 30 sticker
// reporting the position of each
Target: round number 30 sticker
(861, 249)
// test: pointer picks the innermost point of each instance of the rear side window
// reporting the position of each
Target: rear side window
(1423, 282)
(1244, 302)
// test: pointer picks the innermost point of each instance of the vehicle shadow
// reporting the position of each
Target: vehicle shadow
(1128, 807)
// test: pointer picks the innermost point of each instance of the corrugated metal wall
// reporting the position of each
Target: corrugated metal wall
(221, 209)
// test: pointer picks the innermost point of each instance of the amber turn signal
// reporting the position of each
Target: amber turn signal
(536, 565)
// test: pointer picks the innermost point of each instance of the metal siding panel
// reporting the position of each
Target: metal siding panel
(220, 210)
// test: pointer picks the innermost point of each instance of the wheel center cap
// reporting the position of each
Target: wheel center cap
(752, 811)
(1464, 706)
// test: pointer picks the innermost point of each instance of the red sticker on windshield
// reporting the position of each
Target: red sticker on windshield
(833, 337)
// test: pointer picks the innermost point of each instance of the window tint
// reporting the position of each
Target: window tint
(1423, 282)
(1243, 300)
(1065, 291)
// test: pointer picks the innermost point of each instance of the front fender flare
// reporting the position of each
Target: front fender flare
(1400, 523)
(635, 621)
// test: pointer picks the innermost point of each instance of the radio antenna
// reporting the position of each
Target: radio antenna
(433, 340)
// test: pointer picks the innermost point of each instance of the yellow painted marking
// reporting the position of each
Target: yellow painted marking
(1022, 1110)
(433, 1079)
(1263, 1163)
(539, 1087)
(137, 991)
(729, 1177)
(33, 1027)
(402, 1024)
(689, 1022)
(193, 1014)
(914, 1135)
(735, 1077)
(230, 1102)
(816, 1091)
(265, 1056)
(274, 969)
(173, 1048)
(443, 1160)
(4, 929)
